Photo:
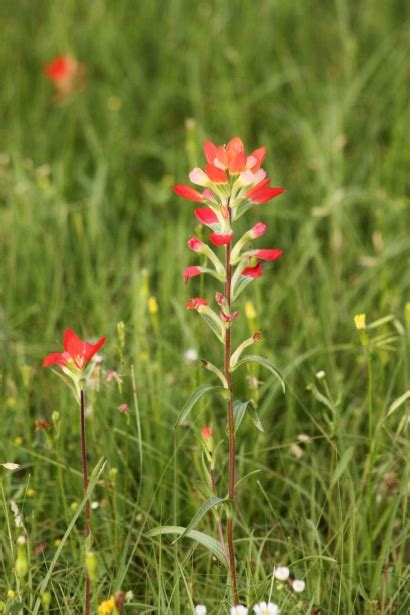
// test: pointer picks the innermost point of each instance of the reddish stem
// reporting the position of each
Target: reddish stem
(87, 503)
(218, 521)
(231, 427)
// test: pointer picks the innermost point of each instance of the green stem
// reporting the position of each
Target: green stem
(87, 504)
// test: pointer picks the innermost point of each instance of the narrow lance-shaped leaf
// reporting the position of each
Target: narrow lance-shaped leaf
(201, 512)
(265, 363)
(209, 543)
(195, 397)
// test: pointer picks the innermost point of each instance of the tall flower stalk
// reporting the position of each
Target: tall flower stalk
(232, 183)
(73, 363)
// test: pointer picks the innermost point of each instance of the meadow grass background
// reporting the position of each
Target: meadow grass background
(90, 230)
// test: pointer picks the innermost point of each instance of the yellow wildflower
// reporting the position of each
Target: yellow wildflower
(107, 607)
(360, 321)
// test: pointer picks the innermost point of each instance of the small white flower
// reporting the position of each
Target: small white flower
(298, 586)
(320, 375)
(264, 608)
(239, 610)
(191, 355)
(281, 573)
(199, 177)
(200, 609)
(95, 505)
(129, 596)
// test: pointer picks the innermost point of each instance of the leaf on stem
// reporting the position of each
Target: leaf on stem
(195, 397)
(265, 363)
(201, 512)
(206, 541)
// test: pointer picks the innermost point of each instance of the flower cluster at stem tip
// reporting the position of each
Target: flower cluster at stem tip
(232, 182)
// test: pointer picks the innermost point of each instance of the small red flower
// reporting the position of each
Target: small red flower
(258, 230)
(269, 255)
(67, 75)
(263, 193)
(253, 272)
(207, 432)
(123, 408)
(220, 240)
(60, 68)
(75, 350)
(206, 216)
(195, 303)
(195, 244)
(216, 175)
(188, 193)
(191, 272)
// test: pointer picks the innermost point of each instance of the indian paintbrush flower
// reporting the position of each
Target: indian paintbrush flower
(234, 182)
(67, 76)
(73, 362)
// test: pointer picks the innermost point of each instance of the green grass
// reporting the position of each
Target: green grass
(88, 238)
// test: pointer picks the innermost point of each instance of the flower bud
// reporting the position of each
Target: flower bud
(207, 436)
(258, 230)
(91, 565)
(21, 561)
(195, 244)
(360, 321)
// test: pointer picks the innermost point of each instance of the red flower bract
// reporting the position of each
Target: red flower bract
(76, 350)
(188, 193)
(253, 272)
(206, 215)
(220, 240)
(195, 303)
(269, 255)
(216, 175)
(258, 230)
(195, 244)
(191, 272)
(263, 193)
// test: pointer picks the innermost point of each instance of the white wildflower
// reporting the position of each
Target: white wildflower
(264, 608)
(239, 610)
(281, 573)
(191, 355)
(298, 586)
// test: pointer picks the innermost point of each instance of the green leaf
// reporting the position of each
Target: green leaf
(255, 418)
(213, 325)
(195, 397)
(239, 410)
(206, 541)
(201, 512)
(342, 465)
(252, 358)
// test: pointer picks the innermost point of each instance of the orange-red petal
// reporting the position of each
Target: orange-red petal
(215, 175)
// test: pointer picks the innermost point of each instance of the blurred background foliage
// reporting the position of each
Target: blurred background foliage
(90, 230)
